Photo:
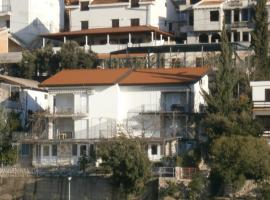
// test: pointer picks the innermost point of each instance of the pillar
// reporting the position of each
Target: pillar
(152, 36)
(240, 15)
(65, 39)
(241, 36)
(43, 42)
(232, 37)
(232, 16)
(86, 40)
(108, 39)
(161, 37)
(129, 38)
(209, 38)
(169, 40)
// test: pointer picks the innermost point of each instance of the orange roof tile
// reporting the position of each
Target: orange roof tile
(80, 77)
(164, 76)
(125, 76)
(112, 30)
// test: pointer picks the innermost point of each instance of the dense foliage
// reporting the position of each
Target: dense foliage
(260, 42)
(128, 161)
(9, 122)
(237, 158)
(46, 61)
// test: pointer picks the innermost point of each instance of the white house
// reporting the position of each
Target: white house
(26, 19)
(109, 25)
(202, 21)
(86, 106)
(261, 104)
(22, 96)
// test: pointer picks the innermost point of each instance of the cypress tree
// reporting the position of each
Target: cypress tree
(260, 42)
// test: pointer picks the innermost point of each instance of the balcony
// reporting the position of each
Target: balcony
(261, 104)
(5, 10)
(243, 24)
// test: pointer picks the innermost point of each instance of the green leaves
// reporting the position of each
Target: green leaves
(128, 161)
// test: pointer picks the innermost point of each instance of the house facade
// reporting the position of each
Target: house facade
(106, 26)
(26, 19)
(202, 22)
(22, 96)
(87, 106)
(261, 104)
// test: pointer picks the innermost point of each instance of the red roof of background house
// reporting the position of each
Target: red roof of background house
(112, 30)
(80, 77)
(164, 76)
(124, 76)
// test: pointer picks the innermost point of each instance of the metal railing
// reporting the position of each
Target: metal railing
(174, 172)
(5, 8)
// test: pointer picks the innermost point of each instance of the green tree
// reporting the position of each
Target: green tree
(260, 41)
(45, 60)
(229, 108)
(128, 161)
(197, 187)
(9, 122)
(237, 158)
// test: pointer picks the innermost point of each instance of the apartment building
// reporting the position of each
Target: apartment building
(109, 25)
(26, 19)
(202, 22)
(261, 104)
(86, 106)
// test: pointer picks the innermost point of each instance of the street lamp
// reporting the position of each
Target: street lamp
(69, 179)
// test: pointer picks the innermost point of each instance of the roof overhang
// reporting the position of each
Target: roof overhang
(105, 31)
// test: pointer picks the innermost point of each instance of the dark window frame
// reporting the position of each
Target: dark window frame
(84, 6)
(267, 94)
(115, 23)
(214, 16)
(84, 25)
(135, 22)
(74, 150)
(54, 150)
(154, 149)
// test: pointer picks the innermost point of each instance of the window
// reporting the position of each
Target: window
(154, 149)
(135, 22)
(84, 25)
(25, 149)
(170, 27)
(54, 150)
(267, 94)
(135, 3)
(236, 15)
(14, 95)
(245, 15)
(82, 150)
(246, 36)
(84, 5)
(92, 151)
(74, 150)
(228, 18)
(236, 36)
(191, 19)
(199, 62)
(8, 23)
(115, 22)
(46, 150)
(214, 16)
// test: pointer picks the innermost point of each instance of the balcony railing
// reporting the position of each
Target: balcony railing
(170, 108)
(261, 104)
(5, 8)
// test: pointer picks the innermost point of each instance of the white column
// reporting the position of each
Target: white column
(86, 40)
(249, 37)
(241, 36)
(129, 38)
(161, 37)
(232, 37)
(65, 39)
(43, 42)
(169, 40)
(50, 130)
(209, 38)
(152, 36)
(108, 39)
(240, 15)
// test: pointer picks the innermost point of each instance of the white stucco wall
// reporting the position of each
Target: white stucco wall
(29, 18)
(36, 100)
(258, 90)
(100, 16)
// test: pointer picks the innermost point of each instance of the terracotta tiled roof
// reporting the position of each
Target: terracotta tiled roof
(80, 77)
(114, 30)
(164, 76)
(125, 76)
